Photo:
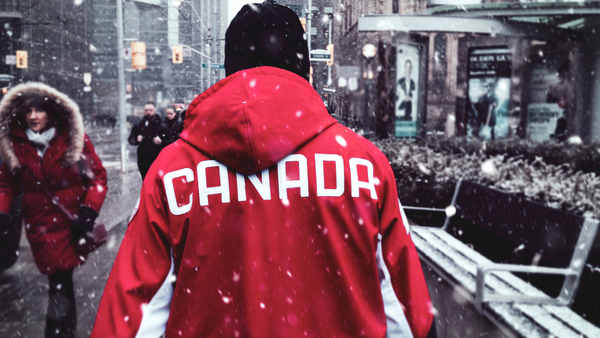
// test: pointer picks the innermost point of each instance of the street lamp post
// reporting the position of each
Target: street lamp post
(369, 51)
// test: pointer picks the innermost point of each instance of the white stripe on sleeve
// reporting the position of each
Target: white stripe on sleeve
(404, 218)
(397, 325)
(156, 313)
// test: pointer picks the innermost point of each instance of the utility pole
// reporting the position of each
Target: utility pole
(308, 25)
(207, 43)
(208, 70)
(199, 17)
(214, 33)
(121, 87)
(329, 80)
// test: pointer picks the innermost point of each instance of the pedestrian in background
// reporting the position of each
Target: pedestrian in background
(146, 134)
(268, 218)
(44, 149)
(178, 126)
(171, 119)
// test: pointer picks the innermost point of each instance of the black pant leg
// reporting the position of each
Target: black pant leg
(143, 168)
(61, 318)
(145, 160)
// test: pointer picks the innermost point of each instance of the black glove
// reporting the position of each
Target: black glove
(84, 222)
(4, 220)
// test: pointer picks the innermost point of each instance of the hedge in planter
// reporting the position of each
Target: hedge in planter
(426, 175)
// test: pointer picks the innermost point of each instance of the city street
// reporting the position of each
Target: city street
(481, 118)
(23, 290)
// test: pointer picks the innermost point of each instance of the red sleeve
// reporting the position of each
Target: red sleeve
(141, 267)
(402, 261)
(97, 187)
(9, 184)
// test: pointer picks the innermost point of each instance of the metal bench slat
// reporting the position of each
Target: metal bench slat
(467, 260)
(548, 321)
(460, 275)
(519, 323)
(574, 320)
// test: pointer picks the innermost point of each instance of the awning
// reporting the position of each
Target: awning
(451, 24)
(540, 20)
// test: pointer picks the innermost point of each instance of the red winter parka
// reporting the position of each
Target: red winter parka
(47, 227)
(266, 219)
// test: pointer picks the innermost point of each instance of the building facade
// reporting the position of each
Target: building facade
(508, 54)
(66, 39)
(197, 25)
(56, 36)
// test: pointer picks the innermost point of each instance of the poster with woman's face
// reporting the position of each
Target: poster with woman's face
(407, 90)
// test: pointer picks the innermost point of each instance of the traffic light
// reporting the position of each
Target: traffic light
(21, 59)
(330, 49)
(138, 55)
(178, 54)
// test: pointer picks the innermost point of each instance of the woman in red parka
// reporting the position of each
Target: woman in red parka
(42, 143)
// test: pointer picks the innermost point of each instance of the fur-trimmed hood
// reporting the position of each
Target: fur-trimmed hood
(66, 111)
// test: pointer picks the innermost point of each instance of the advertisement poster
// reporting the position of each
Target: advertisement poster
(548, 97)
(488, 104)
(407, 90)
(542, 119)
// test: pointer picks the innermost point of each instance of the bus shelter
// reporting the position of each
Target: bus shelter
(492, 71)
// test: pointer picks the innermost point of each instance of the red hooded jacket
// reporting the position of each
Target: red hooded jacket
(266, 219)
(48, 228)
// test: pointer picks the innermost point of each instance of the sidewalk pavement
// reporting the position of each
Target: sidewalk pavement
(24, 290)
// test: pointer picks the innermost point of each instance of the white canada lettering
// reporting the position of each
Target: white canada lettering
(203, 188)
(320, 174)
(174, 207)
(264, 188)
(355, 183)
(301, 182)
(263, 185)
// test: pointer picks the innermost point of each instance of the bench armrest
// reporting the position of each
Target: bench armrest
(564, 298)
(572, 273)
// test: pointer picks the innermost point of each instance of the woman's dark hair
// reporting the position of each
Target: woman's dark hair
(42, 103)
(175, 109)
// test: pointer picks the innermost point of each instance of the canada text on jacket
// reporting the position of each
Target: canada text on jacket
(285, 180)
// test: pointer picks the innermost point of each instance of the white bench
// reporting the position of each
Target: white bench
(515, 306)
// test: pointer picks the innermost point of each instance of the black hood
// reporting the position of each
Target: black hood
(266, 34)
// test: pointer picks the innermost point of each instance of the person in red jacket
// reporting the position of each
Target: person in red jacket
(267, 218)
(42, 145)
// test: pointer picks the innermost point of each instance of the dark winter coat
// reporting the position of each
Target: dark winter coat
(177, 127)
(148, 128)
(168, 135)
(48, 228)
